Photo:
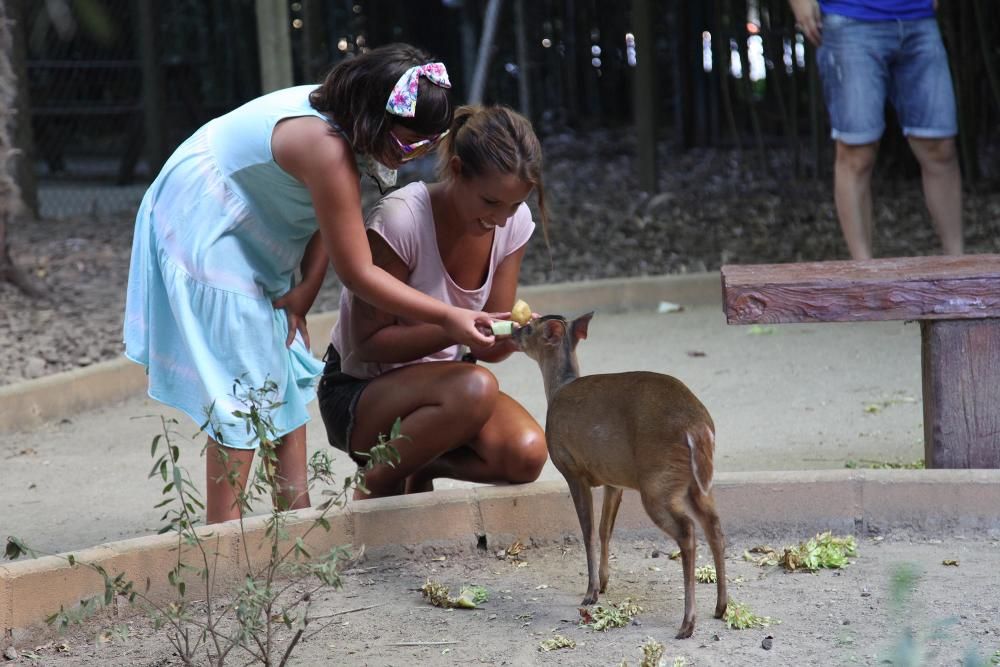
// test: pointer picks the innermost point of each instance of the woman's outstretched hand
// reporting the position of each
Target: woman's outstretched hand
(468, 327)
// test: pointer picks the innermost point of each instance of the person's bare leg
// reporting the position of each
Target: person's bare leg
(442, 406)
(942, 180)
(852, 193)
(293, 478)
(510, 449)
(226, 473)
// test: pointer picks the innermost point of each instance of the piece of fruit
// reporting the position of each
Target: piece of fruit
(502, 328)
(521, 312)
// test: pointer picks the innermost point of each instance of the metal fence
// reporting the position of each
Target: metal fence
(728, 72)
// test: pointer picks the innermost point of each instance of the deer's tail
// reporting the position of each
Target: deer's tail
(702, 445)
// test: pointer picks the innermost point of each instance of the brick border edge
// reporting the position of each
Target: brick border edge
(762, 504)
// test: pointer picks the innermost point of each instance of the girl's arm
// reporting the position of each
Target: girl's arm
(298, 300)
(306, 149)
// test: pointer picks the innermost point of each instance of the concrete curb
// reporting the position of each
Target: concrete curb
(30, 404)
(761, 505)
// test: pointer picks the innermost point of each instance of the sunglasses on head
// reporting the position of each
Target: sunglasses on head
(417, 148)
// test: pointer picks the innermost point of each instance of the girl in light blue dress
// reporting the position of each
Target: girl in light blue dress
(233, 238)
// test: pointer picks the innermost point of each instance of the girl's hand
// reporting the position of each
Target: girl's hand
(466, 327)
(296, 302)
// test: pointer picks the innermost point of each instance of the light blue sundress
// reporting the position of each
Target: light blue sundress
(219, 236)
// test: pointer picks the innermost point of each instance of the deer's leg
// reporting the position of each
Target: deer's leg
(612, 499)
(584, 502)
(704, 509)
(670, 515)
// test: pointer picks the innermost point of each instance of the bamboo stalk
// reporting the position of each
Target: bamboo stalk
(991, 73)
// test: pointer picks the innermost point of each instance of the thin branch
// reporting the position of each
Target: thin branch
(449, 643)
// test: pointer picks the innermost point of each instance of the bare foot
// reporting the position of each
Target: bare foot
(418, 484)
(398, 490)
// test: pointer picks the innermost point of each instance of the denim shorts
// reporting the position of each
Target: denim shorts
(338, 395)
(864, 63)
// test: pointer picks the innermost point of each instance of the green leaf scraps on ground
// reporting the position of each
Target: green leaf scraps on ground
(616, 616)
(885, 465)
(437, 595)
(739, 617)
(823, 551)
(556, 642)
(705, 574)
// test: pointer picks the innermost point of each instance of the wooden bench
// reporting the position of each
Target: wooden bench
(955, 299)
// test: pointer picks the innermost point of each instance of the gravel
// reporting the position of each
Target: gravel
(713, 208)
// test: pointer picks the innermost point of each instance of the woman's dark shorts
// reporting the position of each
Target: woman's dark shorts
(338, 395)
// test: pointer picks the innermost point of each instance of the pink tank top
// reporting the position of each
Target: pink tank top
(406, 222)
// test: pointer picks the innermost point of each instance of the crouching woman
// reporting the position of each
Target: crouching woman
(460, 240)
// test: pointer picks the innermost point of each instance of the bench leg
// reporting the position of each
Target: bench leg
(961, 378)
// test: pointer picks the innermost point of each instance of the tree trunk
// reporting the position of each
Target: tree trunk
(24, 138)
(485, 52)
(11, 205)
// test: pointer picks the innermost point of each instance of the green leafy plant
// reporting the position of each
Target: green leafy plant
(276, 595)
(914, 646)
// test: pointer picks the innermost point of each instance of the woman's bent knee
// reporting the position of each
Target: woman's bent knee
(475, 389)
(526, 457)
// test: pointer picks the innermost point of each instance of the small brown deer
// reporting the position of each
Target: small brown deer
(640, 430)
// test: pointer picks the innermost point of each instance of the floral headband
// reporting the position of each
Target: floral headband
(403, 98)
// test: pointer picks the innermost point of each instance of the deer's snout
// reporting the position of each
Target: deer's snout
(518, 337)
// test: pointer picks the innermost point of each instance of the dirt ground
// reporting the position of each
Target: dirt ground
(799, 397)
(833, 617)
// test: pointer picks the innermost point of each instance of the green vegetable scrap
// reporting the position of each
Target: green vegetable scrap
(823, 551)
(502, 327)
(469, 598)
(478, 594)
(705, 574)
(616, 616)
(739, 617)
(557, 642)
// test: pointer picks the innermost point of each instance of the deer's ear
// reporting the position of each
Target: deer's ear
(552, 331)
(579, 327)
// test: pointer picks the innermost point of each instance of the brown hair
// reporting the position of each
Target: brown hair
(355, 91)
(497, 137)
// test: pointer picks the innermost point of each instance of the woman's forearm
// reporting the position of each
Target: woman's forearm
(402, 343)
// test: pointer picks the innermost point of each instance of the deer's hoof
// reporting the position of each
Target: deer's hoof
(686, 630)
(720, 609)
(589, 598)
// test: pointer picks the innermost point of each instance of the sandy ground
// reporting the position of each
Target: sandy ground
(842, 617)
(792, 397)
